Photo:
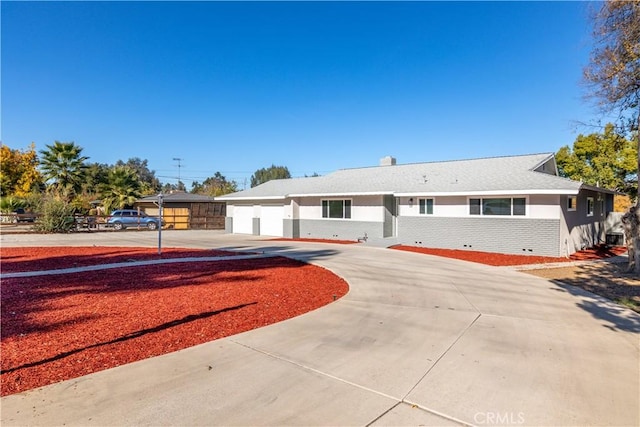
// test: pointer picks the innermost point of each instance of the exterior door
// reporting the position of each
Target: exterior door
(271, 220)
(243, 219)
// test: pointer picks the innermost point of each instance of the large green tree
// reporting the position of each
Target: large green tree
(603, 159)
(96, 174)
(149, 183)
(63, 167)
(215, 185)
(613, 76)
(121, 190)
(267, 174)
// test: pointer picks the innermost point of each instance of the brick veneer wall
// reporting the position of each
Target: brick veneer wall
(500, 234)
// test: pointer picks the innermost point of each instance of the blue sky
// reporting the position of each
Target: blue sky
(314, 86)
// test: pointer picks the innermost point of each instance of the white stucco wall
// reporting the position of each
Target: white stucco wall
(455, 206)
(370, 208)
(544, 206)
(290, 206)
(363, 208)
(538, 206)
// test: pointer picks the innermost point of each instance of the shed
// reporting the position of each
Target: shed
(186, 210)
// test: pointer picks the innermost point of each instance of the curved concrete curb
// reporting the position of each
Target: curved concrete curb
(418, 340)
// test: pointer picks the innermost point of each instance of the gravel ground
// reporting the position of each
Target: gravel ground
(606, 279)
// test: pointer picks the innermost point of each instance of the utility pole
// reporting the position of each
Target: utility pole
(179, 160)
(160, 200)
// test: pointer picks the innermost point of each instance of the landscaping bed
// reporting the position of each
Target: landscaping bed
(496, 259)
(64, 326)
(48, 258)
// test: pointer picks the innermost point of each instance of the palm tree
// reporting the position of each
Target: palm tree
(122, 188)
(63, 167)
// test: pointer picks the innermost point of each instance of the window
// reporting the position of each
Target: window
(590, 206)
(426, 206)
(571, 203)
(516, 206)
(520, 206)
(496, 206)
(336, 209)
(474, 206)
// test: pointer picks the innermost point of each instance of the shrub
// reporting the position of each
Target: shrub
(9, 204)
(56, 216)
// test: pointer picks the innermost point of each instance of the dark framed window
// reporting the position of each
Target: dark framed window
(474, 206)
(336, 209)
(426, 206)
(519, 206)
(571, 203)
(498, 206)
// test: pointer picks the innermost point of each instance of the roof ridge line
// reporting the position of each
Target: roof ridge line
(448, 161)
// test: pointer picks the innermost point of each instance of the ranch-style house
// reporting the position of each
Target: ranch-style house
(514, 204)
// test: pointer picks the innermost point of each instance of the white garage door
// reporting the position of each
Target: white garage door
(243, 219)
(271, 220)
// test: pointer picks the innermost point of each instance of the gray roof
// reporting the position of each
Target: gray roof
(178, 197)
(496, 175)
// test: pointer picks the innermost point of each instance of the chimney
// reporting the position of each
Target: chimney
(387, 161)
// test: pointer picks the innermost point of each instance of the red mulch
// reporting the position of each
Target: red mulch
(60, 327)
(598, 252)
(496, 259)
(340, 242)
(46, 258)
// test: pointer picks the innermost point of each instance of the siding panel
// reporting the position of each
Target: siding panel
(503, 235)
(340, 229)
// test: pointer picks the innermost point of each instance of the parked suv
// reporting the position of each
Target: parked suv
(123, 218)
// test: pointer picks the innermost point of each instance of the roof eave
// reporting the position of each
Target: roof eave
(228, 199)
(343, 194)
(600, 189)
(566, 191)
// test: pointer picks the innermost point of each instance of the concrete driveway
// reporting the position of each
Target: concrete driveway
(418, 340)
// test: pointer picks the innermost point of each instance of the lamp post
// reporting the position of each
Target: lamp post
(160, 197)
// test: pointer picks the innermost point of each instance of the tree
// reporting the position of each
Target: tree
(169, 188)
(63, 167)
(630, 223)
(96, 174)
(613, 75)
(602, 159)
(267, 174)
(122, 188)
(19, 175)
(215, 185)
(149, 183)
